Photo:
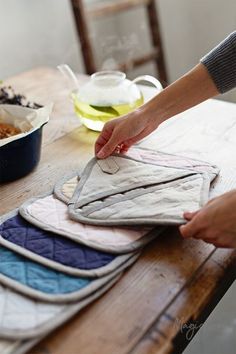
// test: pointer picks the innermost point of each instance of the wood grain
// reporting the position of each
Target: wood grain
(183, 318)
(156, 37)
(83, 33)
(69, 153)
(132, 63)
(175, 281)
(116, 322)
(106, 8)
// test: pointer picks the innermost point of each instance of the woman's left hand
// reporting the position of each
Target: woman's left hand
(215, 223)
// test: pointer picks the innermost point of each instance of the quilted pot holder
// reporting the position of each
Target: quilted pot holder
(54, 251)
(50, 214)
(40, 282)
(24, 318)
(17, 346)
(146, 187)
(65, 188)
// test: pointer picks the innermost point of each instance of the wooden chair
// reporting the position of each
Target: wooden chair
(105, 8)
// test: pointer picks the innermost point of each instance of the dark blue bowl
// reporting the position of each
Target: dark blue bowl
(20, 157)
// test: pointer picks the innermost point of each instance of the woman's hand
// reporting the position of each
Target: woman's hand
(215, 223)
(119, 134)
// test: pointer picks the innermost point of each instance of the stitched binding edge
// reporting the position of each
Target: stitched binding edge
(74, 204)
(57, 191)
(90, 165)
(95, 284)
(121, 249)
(22, 347)
(68, 312)
(90, 273)
(205, 163)
(131, 194)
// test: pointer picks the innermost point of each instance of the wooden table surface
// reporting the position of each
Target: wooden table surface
(165, 297)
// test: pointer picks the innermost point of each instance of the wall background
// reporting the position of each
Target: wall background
(34, 33)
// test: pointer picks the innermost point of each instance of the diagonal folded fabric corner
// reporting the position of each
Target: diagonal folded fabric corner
(144, 188)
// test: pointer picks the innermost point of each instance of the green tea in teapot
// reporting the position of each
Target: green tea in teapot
(94, 117)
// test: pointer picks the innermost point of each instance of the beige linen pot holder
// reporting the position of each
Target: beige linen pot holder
(144, 188)
(65, 188)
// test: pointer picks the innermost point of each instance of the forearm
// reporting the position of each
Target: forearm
(193, 88)
(221, 64)
(215, 74)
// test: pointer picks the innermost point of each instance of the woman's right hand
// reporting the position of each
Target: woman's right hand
(119, 134)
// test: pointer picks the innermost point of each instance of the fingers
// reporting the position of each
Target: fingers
(124, 148)
(188, 230)
(109, 147)
(103, 137)
(194, 226)
(189, 215)
(191, 228)
(197, 228)
(109, 139)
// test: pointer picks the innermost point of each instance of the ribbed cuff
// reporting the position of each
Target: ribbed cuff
(221, 64)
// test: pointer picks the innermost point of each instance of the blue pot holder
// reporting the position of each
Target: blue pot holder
(55, 251)
(42, 283)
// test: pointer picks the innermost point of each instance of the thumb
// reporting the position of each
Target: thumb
(189, 215)
(109, 147)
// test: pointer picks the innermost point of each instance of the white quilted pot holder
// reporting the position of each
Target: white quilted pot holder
(144, 188)
(24, 318)
(51, 214)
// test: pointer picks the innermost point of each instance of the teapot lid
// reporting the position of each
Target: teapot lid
(107, 88)
(108, 78)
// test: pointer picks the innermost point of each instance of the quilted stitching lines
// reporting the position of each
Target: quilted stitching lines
(77, 259)
(37, 276)
(142, 174)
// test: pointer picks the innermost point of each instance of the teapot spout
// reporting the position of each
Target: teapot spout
(69, 75)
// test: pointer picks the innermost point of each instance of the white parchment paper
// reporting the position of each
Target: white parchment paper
(26, 119)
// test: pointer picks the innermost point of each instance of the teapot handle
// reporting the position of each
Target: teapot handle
(150, 79)
(69, 75)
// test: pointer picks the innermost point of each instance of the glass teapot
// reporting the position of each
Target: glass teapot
(107, 95)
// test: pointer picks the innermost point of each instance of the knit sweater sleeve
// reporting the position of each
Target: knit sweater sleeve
(221, 64)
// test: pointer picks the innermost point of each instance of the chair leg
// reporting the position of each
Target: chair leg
(82, 30)
(156, 40)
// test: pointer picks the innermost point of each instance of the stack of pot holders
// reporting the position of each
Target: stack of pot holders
(61, 251)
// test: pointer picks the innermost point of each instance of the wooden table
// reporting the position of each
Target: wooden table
(161, 301)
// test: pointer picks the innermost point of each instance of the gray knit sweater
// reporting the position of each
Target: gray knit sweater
(221, 64)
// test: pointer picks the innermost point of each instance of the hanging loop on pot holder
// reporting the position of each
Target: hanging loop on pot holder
(108, 165)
